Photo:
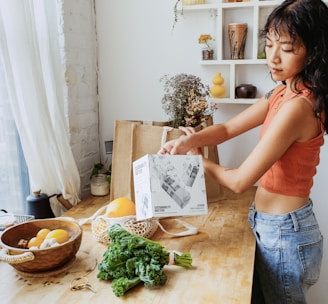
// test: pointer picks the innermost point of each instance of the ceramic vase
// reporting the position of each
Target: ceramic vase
(245, 91)
(218, 90)
(207, 54)
(237, 37)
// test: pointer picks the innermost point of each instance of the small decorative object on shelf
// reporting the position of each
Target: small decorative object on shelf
(185, 100)
(246, 91)
(238, 0)
(207, 52)
(218, 90)
(192, 2)
(237, 36)
(261, 55)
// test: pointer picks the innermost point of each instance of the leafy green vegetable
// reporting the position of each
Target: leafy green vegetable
(132, 259)
(122, 285)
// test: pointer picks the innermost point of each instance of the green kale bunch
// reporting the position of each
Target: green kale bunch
(131, 259)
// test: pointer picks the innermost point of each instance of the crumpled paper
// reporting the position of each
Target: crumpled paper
(6, 220)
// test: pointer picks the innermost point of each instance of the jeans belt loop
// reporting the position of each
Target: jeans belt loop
(295, 222)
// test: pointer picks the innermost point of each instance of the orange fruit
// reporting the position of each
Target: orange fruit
(60, 235)
(42, 233)
(34, 242)
(119, 207)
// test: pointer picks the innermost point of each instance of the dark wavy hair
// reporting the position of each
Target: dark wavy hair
(306, 22)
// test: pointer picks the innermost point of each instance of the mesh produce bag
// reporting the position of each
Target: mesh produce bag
(100, 224)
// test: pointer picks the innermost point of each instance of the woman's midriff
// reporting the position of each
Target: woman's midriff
(274, 203)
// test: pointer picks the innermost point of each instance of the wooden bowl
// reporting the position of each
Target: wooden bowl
(41, 260)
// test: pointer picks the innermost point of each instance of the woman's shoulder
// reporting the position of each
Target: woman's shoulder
(303, 97)
(275, 91)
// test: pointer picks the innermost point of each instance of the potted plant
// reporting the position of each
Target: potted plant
(100, 179)
(183, 2)
(100, 168)
(186, 100)
(175, 11)
(207, 52)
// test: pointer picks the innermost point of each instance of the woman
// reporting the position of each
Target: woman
(293, 118)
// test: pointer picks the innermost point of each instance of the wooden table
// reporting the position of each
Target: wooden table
(222, 251)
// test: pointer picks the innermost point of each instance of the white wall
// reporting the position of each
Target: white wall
(136, 48)
(319, 294)
(77, 36)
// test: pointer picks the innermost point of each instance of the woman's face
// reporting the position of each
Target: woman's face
(285, 58)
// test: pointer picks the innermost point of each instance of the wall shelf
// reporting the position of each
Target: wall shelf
(250, 70)
(198, 7)
(236, 62)
(235, 101)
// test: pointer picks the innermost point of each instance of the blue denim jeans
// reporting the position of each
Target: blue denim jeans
(288, 255)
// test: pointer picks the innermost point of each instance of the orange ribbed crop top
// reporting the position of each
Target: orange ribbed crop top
(293, 173)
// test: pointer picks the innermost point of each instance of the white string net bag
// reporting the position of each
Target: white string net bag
(100, 224)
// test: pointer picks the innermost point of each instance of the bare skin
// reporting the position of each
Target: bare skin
(295, 122)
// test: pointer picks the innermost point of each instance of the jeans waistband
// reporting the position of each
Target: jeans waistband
(294, 216)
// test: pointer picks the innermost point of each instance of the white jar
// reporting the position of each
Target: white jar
(99, 185)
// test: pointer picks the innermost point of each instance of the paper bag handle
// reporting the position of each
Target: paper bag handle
(168, 129)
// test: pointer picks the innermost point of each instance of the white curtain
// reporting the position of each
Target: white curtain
(36, 85)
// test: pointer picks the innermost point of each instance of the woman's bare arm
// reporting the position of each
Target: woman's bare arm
(290, 124)
(250, 118)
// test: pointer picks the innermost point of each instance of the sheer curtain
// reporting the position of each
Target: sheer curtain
(14, 184)
(36, 86)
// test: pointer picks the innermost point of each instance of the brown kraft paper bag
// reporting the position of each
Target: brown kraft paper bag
(134, 139)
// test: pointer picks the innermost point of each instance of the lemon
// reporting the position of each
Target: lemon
(119, 207)
(42, 233)
(34, 242)
(60, 235)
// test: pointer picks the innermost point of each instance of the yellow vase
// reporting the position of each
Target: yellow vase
(218, 90)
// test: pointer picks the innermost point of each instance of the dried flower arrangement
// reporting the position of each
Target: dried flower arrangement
(185, 100)
(204, 38)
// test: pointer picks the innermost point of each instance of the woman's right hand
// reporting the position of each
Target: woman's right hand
(167, 147)
(181, 145)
